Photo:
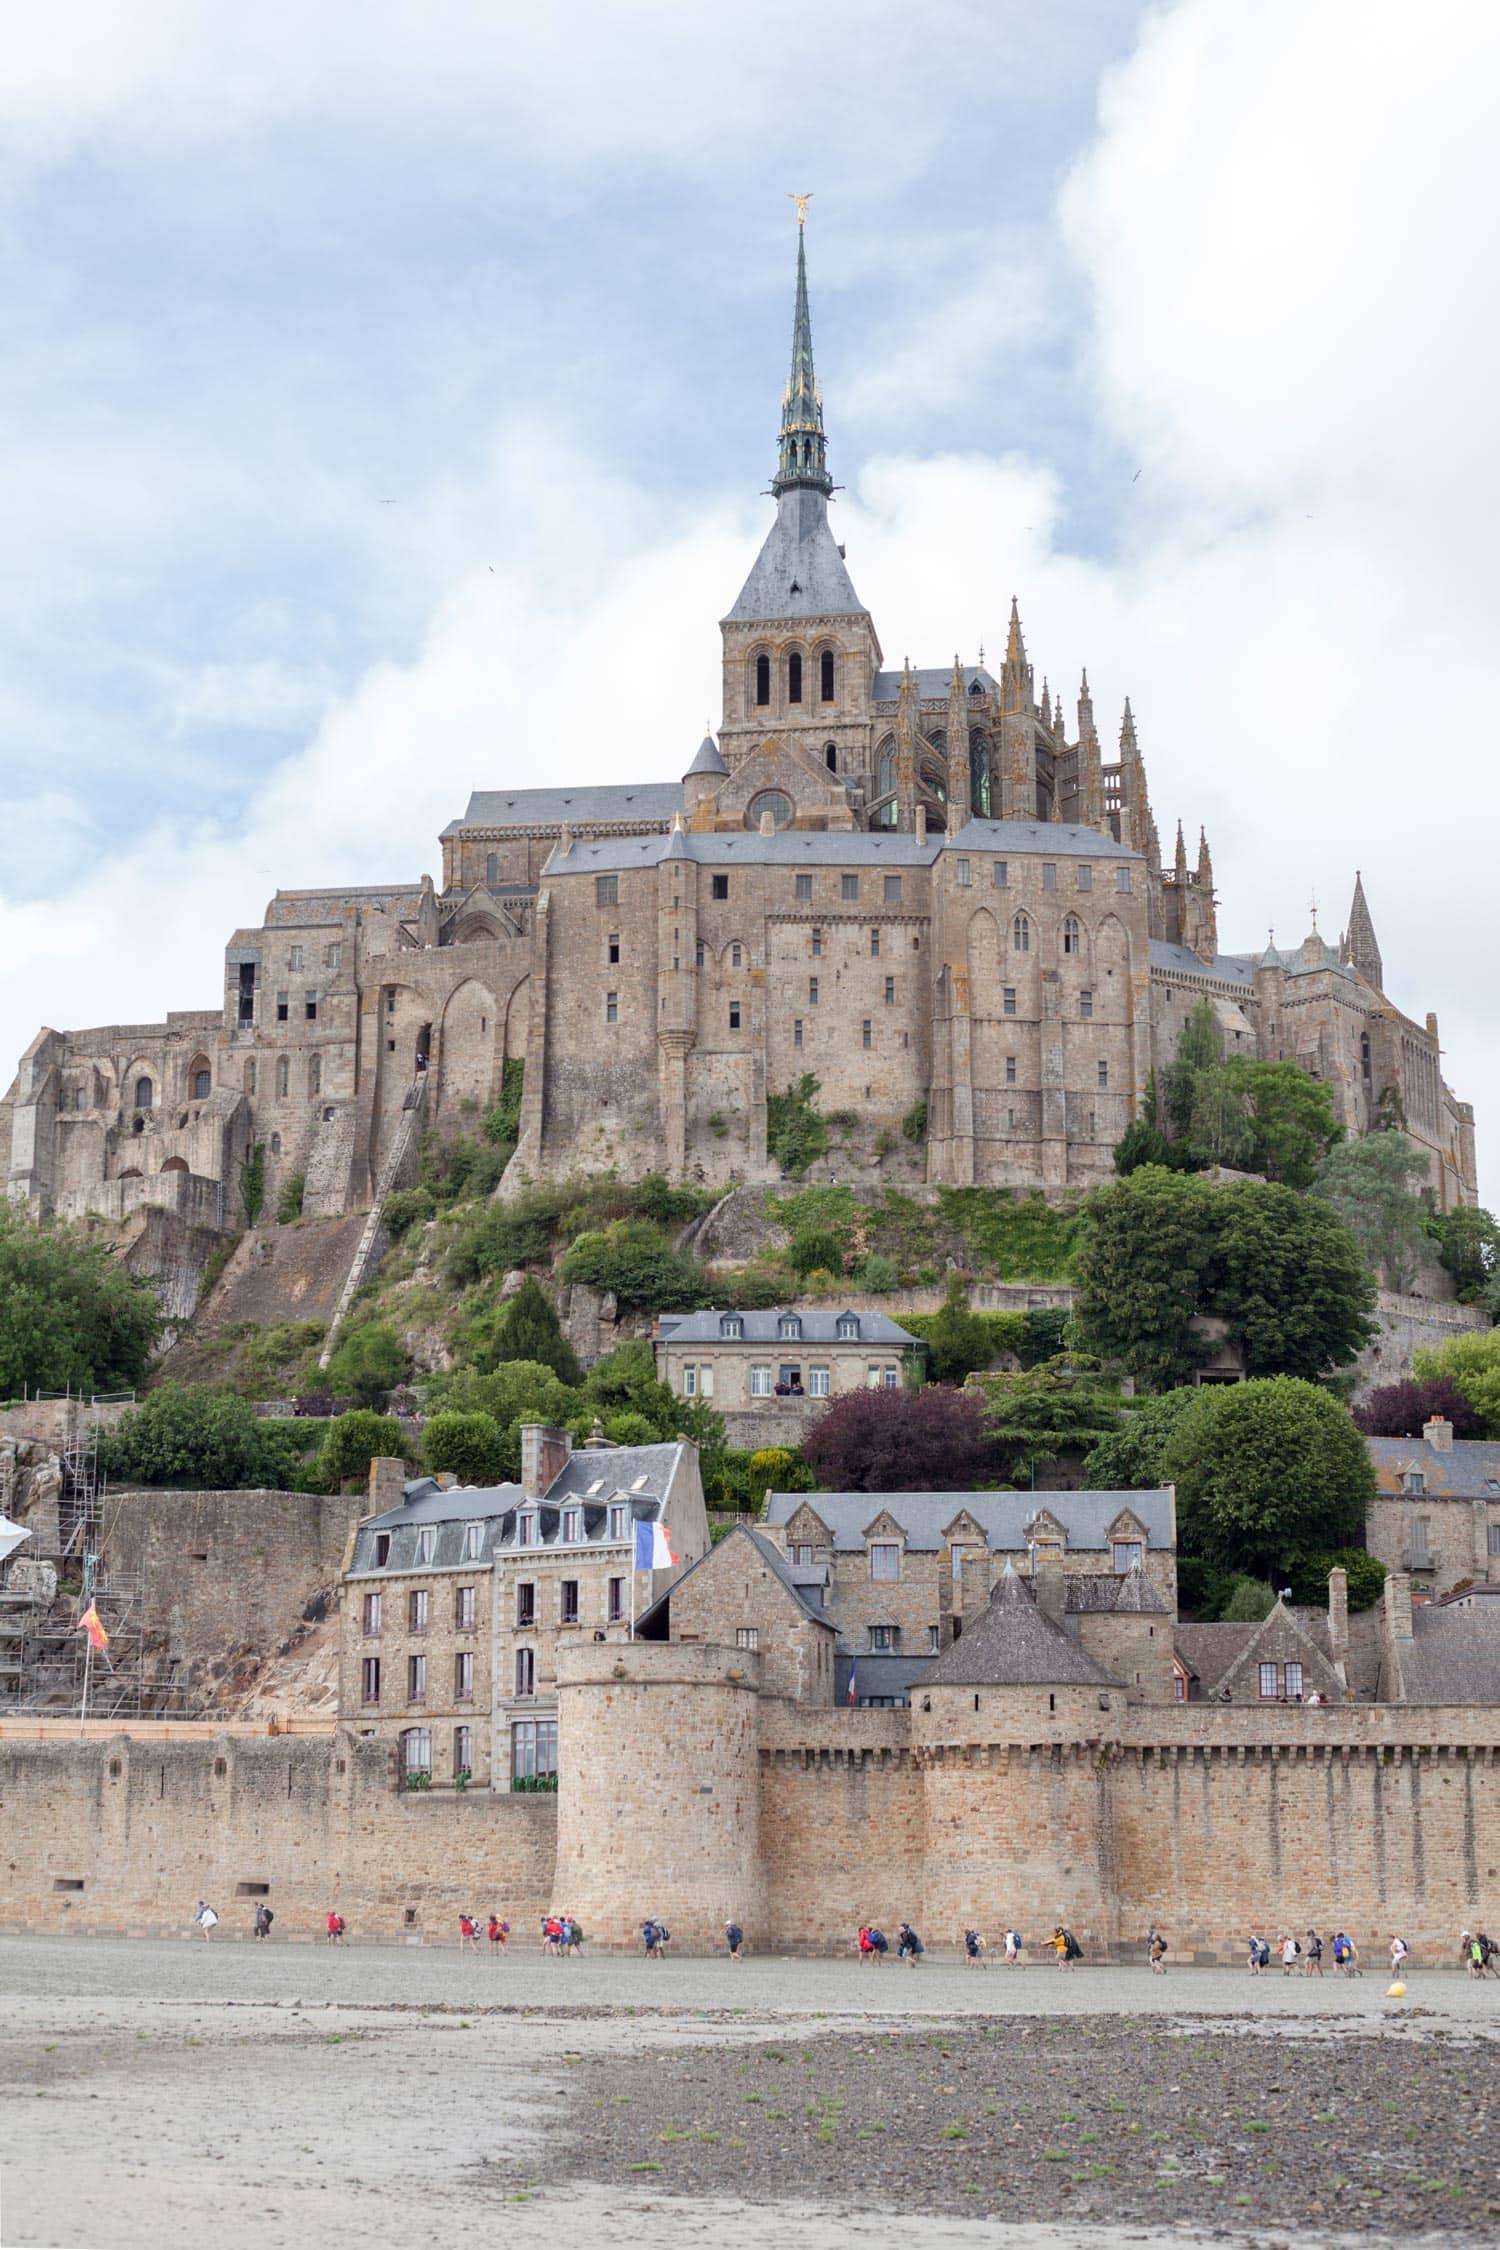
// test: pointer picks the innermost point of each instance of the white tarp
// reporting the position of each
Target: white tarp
(11, 1535)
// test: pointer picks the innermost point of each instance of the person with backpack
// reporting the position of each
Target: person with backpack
(1156, 1952)
(734, 1938)
(973, 1950)
(1066, 1947)
(1260, 1954)
(468, 1933)
(879, 1945)
(1400, 1955)
(1470, 1953)
(1486, 1954)
(206, 1919)
(1015, 1946)
(263, 1920)
(1291, 1954)
(650, 1938)
(498, 1933)
(1313, 1964)
(909, 1946)
(663, 1939)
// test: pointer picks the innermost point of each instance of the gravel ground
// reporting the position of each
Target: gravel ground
(162, 2096)
(1094, 2118)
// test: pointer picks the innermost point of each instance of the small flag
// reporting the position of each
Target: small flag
(853, 1696)
(653, 1547)
(89, 1623)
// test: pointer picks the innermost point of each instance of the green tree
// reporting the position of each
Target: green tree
(1370, 1184)
(1161, 1251)
(289, 1202)
(368, 1364)
(1130, 1458)
(356, 1439)
(1292, 1121)
(1209, 1107)
(959, 1342)
(189, 1436)
(796, 1134)
(468, 1446)
(1043, 1412)
(71, 1316)
(1247, 1601)
(1266, 1473)
(635, 1262)
(1472, 1363)
(776, 1468)
(253, 1183)
(502, 1121)
(1468, 1249)
(1365, 1573)
(524, 1326)
(819, 1250)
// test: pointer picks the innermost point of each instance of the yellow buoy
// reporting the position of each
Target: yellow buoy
(1396, 1992)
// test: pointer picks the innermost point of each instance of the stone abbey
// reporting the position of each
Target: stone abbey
(918, 886)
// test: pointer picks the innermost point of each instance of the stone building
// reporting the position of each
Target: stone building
(745, 1360)
(900, 1574)
(1436, 1514)
(928, 887)
(457, 1599)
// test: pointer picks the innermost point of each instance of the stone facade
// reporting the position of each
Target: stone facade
(756, 1362)
(925, 886)
(1436, 1514)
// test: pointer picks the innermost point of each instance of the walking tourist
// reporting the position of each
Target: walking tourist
(1291, 1953)
(1015, 1946)
(468, 1933)
(1400, 1955)
(1313, 1950)
(1260, 1954)
(909, 1946)
(334, 1927)
(974, 1950)
(1066, 1947)
(263, 1920)
(499, 1933)
(734, 1938)
(1156, 1952)
(206, 1918)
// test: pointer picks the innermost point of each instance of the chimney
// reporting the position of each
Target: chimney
(1438, 1432)
(1047, 1581)
(387, 1484)
(1398, 1606)
(1338, 1622)
(544, 1455)
(921, 824)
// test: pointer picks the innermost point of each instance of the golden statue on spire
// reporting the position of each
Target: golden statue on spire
(801, 201)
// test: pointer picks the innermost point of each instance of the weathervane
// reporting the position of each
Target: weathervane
(801, 201)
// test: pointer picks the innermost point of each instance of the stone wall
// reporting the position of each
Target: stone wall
(128, 1835)
(1404, 1326)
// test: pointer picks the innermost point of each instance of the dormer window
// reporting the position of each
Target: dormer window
(572, 1526)
(426, 1544)
(382, 1549)
(848, 1328)
(789, 1325)
(473, 1533)
(526, 1530)
(732, 1328)
(617, 1516)
(1414, 1480)
(1127, 1554)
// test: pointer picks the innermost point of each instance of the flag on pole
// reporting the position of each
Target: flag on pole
(853, 1690)
(89, 1623)
(653, 1547)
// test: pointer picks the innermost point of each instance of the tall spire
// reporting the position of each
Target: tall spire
(1360, 942)
(803, 459)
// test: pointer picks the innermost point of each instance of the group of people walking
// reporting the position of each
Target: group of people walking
(1304, 1956)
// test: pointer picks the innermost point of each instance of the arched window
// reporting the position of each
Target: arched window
(315, 1074)
(762, 680)
(773, 801)
(143, 1093)
(794, 677)
(736, 955)
(1072, 934)
(202, 1085)
(275, 1144)
(1020, 934)
(283, 1077)
(250, 1076)
(831, 756)
(825, 675)
(885, 773)
(492, 868)
(979, 776)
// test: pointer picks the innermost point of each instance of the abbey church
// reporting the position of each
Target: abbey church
(928, 888)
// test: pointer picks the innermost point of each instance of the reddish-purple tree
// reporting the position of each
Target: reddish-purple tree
(1401, 1409)
(930, 1440)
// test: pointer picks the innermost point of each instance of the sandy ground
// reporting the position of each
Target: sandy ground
(163, 2096)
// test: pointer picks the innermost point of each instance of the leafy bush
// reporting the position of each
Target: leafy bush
(750, 1288)
(368, 1364)
(1472, 1364)
(1017, 1236)
(71, 1317)
(289, 1202)
(469, 1446)
(1247, 1601)
(405, 1208)
(914, 1123)
(653, 1197)
(928, 1440)
(197, 1439)
(635, 1262)
(796, 1136)
(1265, 1472)
(1366, 1576)
(356, 1439)
(1468, 1248)
(1402, 1409)
(877, 1274)
(253, 1184)
(1130, 1458)
(461, 1170)
(498, 1239)
(502, 1120)
(817, 1253)
(776, 1468)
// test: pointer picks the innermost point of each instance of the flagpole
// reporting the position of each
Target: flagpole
(88, 1668)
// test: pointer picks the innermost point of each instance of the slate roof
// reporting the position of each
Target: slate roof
(1237, 969)
(876, 1675)
(1470, 1471)
(798, 1581)
(764, 1328)
(788, 847)
(1453, 1655)
(628, 803)
(708, 759)
(934, 682)
(637, 1475)
(1003, 1516)
(1052, 839)
(1013, 1643)
(1211, 1651)
(799, 571)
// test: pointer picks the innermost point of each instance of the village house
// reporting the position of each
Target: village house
(1436, 1514)
(756, 1360)
(457, 1598)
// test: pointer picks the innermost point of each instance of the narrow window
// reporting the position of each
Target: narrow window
(734, 1015)
(762, 680)
(614, 949)
(1104, 1073)
(491, 869)
(874, 945)
(463, 1609)
(817, 1387)
(825, 679)
(797, 1031)
(283, 1006)
(1085, 876)
(1268, 1682)
(849, 886)
(473, 1536)
(202, 1085)
(1020, 934)
(525, 1671)
(382, 1549)
(617, 1516)
(802, 884)
(1122, 878)
(719, 886)
(315, 1074)
(369, 1680)
(372, 1613)
(1009, 1000)
(283, 1076)
(426, 1544)
(611, 1007)
(606, 890)
(1293, 1676)
(526, 1603)
(615, 1600)
(294, 959)
(1010, 1070)
(332, 956)
(463, 1750)
(416, 1754)
(463, 1676)
(812, 992)
(890, 992)
(964, 876)
(1002, 874)
(416, 1679)
(1086, 1005)
(794, 678)
(526, 1531)
(250, 1076)
(310, 1006)
(867, 1033)
(572, 1526)
(416, 1610)
(1072, 934)
(831, 756)
(885, 1554)
(1049, 876)
(817, 945)
(893, 890)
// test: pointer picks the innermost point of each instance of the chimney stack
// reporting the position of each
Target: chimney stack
(1047, 1581)
(387, 1487)
(1398, 1606)
(1438, 1432)
(1338, 1622)
(544, 1455)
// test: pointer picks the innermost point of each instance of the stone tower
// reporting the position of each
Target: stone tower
(1360, 948)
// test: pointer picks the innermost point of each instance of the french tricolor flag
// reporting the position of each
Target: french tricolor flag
(653, 1547)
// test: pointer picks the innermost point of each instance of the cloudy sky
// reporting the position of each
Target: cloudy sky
(389, 392)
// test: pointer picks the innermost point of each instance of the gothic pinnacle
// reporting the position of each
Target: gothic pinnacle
(803, 458)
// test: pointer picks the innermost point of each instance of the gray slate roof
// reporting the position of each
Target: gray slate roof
(1237, 969)
(1471, 1471)
(1211, 1651)
(802, 1584)
(708, 759)
(764, 1328)
(1003, 1516)
(934, 681)
(1012, 1643)
(799, 571)
(1453, 1655)
(638, 1475)
(788, 847)
(1051, 839)
(876, 1675)
(628, 803)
